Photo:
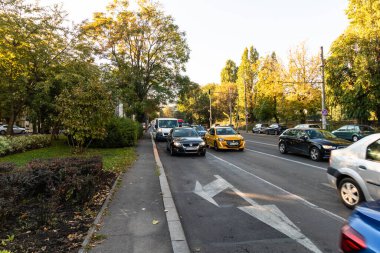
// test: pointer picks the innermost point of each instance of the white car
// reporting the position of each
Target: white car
(307, 126)
(16, 129)
(355, 171)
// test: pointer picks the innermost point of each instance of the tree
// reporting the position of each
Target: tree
(269, 90)
(229, 72)
(86, 107)
(33, 41)
(302, 89)
(145, 48)
(247, 78)
(353, 68)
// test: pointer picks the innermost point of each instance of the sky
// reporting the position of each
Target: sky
(218, 30)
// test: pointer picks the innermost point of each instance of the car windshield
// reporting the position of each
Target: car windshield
(320, 134)
(168, 123)
(185, 132)
(199, 128)
(273, 125)
(225, 131)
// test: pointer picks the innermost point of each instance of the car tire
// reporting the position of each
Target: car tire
(2, 132)
(355, 138)
(241, 149)
(282, 148)
(22, 132)
(315, 154)
(350, 193)
(172, 152)
(216, 146)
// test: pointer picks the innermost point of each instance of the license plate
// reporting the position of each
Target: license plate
(234, 143)
(192, 148)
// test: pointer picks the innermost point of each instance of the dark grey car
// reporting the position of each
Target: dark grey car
(185, 140)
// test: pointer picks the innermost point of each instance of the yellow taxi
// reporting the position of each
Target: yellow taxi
(224, 138)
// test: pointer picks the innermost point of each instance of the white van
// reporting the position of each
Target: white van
(162, 127)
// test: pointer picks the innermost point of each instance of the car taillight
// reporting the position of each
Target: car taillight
(350, 240)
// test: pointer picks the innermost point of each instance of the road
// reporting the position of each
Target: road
(254, 201)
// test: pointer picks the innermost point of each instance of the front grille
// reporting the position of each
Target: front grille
(190, 144)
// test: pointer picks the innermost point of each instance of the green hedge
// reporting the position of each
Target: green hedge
(17, 144)
(121, 132)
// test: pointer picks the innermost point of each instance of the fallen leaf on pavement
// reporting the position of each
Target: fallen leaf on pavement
(155, 222)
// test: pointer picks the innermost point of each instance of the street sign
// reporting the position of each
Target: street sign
(325, 112)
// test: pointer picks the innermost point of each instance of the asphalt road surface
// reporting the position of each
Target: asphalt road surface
(254, 201)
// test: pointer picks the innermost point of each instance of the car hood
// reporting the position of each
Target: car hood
(185, 139)
(335, 142)
(231, 137)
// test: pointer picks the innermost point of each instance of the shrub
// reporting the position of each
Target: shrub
(6, 167)
(50, 183)
(121, 132)
(17, 144)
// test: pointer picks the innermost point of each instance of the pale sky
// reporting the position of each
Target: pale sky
(218, 30)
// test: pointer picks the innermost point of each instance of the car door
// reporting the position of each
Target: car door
(369, 169)
(289, 139)
(341, 132)
(300, 142)
(210, 136)
(349, 132)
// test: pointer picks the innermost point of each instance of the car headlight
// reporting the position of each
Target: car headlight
(177, 144)
(202, 143)
(159, 130)
(220, 139)
(328, 147)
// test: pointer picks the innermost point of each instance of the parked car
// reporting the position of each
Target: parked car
(224, 138)
(259, 128)
(362, 231)
(16, 129)
(185, 140)
(200, 130)
(316, 143)
(307, 126)
(353, 132)
(275, 128)
(355, 171)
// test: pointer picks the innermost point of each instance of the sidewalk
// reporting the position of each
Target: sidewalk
(128, 223)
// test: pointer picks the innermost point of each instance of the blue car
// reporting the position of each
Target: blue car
(362, 233)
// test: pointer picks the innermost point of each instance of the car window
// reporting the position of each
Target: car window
(186, 132)
(373, 151)
(273, 125)
(343, 128)
(291, 132)
(314, 126)
(212, 131)
(167, 123)
(225, 131)
(351, 128)
(301, 134)
(199, 128)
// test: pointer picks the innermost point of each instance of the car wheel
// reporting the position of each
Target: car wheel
(315, 154)
(216, 146)
(355, 138)
(172, 152)
(22, 132)
(241, 149)
(2, 132)
(350, 193)
(282, 148)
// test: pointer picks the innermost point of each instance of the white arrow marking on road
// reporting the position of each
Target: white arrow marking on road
(210, 190)
(269, 214)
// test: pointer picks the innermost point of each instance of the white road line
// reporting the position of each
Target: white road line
(262, 143)
(302, 200)
(289, 160)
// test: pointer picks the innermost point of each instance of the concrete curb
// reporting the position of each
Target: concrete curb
(177, 235)
(96, 222)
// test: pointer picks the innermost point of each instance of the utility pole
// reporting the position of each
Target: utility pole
(209, 94)
(230, 104)
(245, 106)
(324, 110)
